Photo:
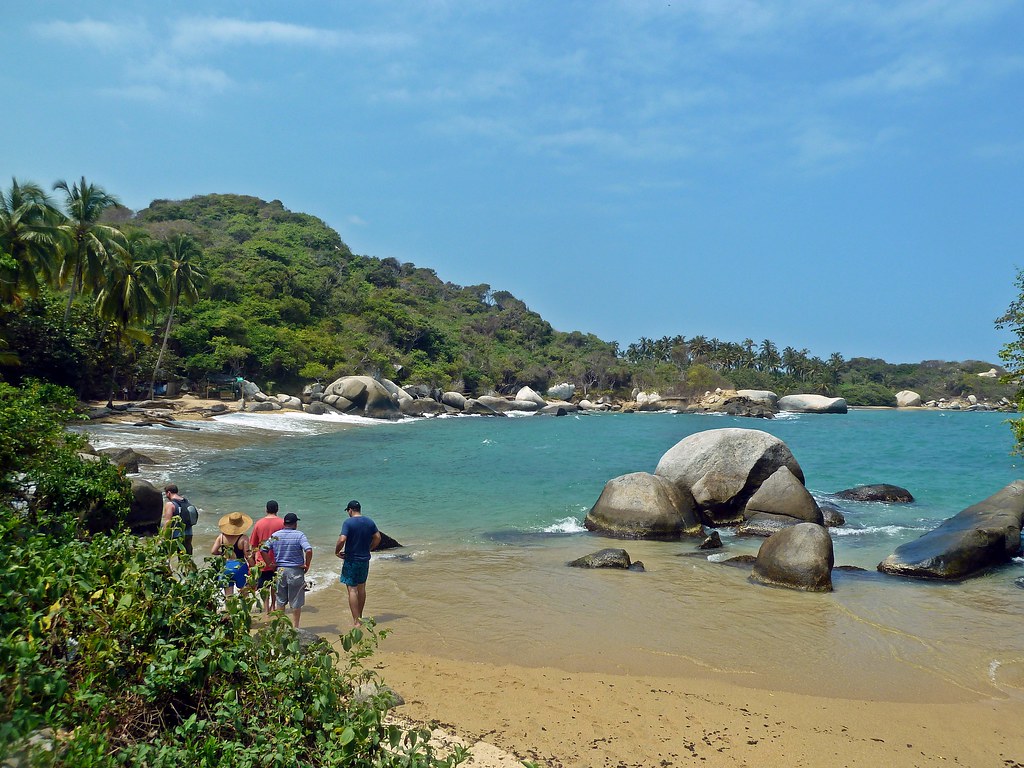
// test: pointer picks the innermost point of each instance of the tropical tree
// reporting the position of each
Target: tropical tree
(27, 237)
(86, 240)
(181, 280)
(1012, 355)
(130, 293)
(768, 358)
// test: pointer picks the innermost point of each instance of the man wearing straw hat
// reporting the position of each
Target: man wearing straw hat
(293, 553)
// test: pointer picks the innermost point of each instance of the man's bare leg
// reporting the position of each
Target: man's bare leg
(295, 617)
(356, 601)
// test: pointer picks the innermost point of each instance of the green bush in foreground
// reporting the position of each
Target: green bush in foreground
(108, 657)
(133, 664)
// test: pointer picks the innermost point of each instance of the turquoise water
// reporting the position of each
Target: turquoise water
(477, 482)
(490, 510)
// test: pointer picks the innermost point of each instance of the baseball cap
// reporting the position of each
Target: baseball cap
(291, 518)
(354, 505)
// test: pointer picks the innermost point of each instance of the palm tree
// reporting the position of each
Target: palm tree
(27, 236)
(768, 356)
(181, 281)
(86, 240)
(130, 293)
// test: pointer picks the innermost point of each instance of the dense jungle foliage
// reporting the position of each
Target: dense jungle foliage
(234, 286)
(111, 657)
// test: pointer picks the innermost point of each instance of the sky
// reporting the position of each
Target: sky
(834, 175)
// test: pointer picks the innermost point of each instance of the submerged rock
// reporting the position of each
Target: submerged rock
(891, 494)
(604, 558)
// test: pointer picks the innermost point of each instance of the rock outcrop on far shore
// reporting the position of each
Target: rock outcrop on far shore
(980, 537)
(812, 404)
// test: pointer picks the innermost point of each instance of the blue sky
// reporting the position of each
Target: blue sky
(843, 176)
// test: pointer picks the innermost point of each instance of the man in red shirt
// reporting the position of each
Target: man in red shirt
(266, 527)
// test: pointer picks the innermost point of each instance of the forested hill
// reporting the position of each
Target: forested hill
(104, 300)
(288, 301)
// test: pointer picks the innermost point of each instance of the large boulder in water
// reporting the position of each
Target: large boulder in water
(423, 406)
(368, 397)
(812, 404)
(890, 494)
(799, 557)
(643, 506)
(979, 537)
(722, 468)
(784, 494)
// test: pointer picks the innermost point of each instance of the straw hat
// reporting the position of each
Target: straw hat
(234, 523)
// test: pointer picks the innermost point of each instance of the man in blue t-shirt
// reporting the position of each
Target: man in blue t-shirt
(358, 536)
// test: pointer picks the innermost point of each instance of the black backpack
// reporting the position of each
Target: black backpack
(187, 511)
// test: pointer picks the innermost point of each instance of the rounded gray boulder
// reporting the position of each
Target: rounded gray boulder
(798, 557)
(367, 395)
(722, 468)
(643, 506)
(783, 494)
(812, 404)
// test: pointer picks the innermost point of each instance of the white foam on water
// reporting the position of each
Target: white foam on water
(993, 667)
(303, 423)
(787, 416)
(888, 530)
(718, 557)
(565, 525)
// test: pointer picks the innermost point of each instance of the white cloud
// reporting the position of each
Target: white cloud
(198, 32)
(356, 221)
(102, 35)
(909, 73)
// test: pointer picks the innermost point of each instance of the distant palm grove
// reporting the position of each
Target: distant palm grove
(107, 301)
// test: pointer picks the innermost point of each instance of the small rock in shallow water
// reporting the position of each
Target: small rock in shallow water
(714, 541)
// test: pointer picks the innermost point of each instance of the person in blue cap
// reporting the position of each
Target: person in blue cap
(359, 536)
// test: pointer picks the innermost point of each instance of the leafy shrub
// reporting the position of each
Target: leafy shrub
(126, 662)
(867, 393)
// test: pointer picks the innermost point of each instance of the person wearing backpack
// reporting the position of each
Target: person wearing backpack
(180, 515)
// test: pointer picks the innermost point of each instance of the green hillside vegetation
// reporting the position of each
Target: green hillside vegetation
(101, 299)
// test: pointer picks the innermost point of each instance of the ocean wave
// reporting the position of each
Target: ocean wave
(888, 530)
(297, 422)
(565, 525)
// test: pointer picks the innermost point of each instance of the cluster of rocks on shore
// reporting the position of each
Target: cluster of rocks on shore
(750, 480)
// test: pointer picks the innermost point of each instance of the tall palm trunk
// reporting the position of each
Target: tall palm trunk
(113, 368)
(163, 348)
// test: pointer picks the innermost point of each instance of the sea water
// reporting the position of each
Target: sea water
(490, 509)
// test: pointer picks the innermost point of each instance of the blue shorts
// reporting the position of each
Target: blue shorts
(354, 572)
(236, 572)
